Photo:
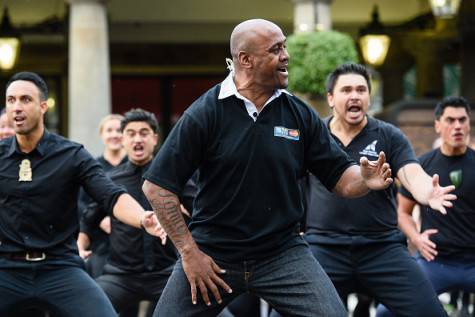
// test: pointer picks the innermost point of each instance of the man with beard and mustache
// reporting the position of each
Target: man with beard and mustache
(40, 177)
(251, 142)
(357, 241)
(446, 243)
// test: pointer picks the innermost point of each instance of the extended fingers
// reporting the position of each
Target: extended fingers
(381, 158)
(219, 280)
(364, 162)
(193, 292)
(204, 291)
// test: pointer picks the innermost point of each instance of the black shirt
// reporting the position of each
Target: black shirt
(99, 238)
(335, 220)
(248, 204)
(131, 249)
(456, 229)
(42, 214)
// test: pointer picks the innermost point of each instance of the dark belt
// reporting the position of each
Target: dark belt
(30, 256)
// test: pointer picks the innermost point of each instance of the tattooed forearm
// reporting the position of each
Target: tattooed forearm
(167, 208)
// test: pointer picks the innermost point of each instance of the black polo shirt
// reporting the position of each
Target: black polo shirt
(372, 218)
(248, 204)
(131, 249)
(41, 214)
(456, 229)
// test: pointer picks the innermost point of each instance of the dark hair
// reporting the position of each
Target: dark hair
(347, 68)
(451, 101)
(31, 77)
(138, 114)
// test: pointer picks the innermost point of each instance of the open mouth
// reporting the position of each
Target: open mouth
(283, 70)
(138, 149)
(19, 120)
(354, 109)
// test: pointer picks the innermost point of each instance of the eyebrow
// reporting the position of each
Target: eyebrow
(142, 129)
(460, 117)
(351, 86)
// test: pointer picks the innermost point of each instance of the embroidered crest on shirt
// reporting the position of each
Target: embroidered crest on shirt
(25, 174)
(370, 149)
(456, 178)
(291, 134)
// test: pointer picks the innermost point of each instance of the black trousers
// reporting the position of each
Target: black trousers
(383, 270)
(127, 289)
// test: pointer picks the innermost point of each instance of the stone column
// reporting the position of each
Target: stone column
(89, 72)
(311, 15)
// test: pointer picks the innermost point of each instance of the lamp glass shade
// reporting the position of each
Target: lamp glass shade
(375, 48)
(9, 47)
(445, 9)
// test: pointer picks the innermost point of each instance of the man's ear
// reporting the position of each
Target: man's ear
(437, 126)
(330, 100)
(44, 106)
(245, 59)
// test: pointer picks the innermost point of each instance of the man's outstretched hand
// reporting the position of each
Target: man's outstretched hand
(376, 174)
(440, 197)
(149, 222)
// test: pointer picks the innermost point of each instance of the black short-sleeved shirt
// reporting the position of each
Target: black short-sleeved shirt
(131, 249)
(335, 220)
(248, 204)
(42, 214)
(457, 228)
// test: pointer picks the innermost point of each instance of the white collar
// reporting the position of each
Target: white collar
(228, 88)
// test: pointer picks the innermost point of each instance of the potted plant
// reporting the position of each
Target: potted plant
(313, 55)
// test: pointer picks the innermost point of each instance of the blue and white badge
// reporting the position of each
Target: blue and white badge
(291, 134)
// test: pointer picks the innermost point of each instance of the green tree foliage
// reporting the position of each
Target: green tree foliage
(313, 55)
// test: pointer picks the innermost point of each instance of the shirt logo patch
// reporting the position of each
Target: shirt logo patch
(370, 149)
(456, 178)
(291, 134)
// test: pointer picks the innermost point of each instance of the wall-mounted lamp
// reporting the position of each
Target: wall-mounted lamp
(444, 9)
(9, 42)
(374, 42)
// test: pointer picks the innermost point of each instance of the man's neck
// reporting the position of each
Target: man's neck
(258, 95)
(28, 142)
(448, 150)
(344, 131)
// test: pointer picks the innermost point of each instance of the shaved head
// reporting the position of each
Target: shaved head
(245, 34)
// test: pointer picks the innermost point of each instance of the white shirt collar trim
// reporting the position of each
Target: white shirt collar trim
(228, 88)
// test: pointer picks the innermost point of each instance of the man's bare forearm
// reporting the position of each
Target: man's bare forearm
(404, 214)
(167, 208)
(416, 180)
(351, 183)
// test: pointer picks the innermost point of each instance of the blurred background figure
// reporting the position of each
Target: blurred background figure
(6, 128)
(113, 156)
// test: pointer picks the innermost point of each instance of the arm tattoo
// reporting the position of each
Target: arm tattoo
(167, 208)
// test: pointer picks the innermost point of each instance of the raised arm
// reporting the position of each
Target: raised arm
(424, 188)
(357, 181)
(130, 212)
(200, 269)
(406, 223)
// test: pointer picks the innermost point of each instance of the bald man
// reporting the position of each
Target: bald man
(251, 142)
